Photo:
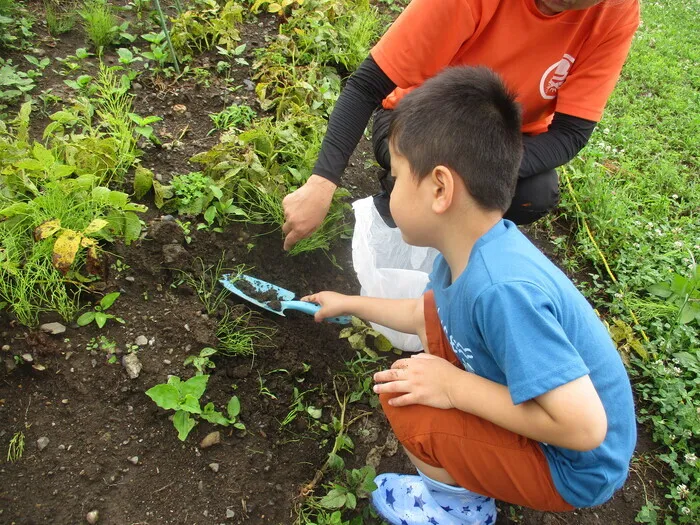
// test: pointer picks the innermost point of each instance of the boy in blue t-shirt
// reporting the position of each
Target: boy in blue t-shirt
(521, 394)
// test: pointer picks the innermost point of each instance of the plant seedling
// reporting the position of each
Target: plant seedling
(183, 397)
(16, 447)
(98, 314)
(202, 361)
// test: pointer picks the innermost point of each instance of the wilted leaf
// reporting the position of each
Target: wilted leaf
(382, 344)
(132, 227)
(47, 229)
(93, 262)
(357, 341)
(95, 226)
(143, 182)
(64, 250)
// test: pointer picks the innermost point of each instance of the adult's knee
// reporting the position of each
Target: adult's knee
(535, 196)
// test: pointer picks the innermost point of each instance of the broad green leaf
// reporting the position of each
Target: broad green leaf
(233, 408)
(210, 214)
(206, 352)
(86, 318)
(357, 341)
(60, 171)
(689, 312)
(47, 229)
(161, 193)
(213, 416)
(100, 319)
(351, 502)
(183, 423)
(345, 333)
(143, 182)
(95, 226)
(382, 344)
(42, 154)
(117, 199)
(335, 499)
(357, 322)
(108, 300)
(660, 290)
(132, 227)
(165, 396)
(194, 386)
(239, 425)
(314, 412)
(190, 404)
(216, 191)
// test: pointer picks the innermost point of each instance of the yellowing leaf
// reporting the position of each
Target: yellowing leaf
(274, 7)
(64, 250)
(47, 229)
(93, 262)
(95, 226)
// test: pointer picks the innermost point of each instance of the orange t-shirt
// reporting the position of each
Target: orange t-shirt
(568, 62)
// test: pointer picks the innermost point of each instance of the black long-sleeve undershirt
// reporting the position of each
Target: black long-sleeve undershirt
(369, 85)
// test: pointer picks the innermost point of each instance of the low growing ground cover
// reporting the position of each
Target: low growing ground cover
(145, 147)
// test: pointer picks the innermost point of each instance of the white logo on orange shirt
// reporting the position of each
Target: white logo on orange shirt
(555, 76)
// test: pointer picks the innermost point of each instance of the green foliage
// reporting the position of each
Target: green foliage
(98, 315)
(205, 25)
(15, 449)
(14, 83)
(357, 336)
(684, 293)
(100, 23)
(15, 25)
(201, 362)
(238, 337)
(183, 398)
(235, 117)
(59, 18)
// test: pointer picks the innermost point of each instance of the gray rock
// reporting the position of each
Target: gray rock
(27, 358)
(134, 460)
(132, 365)
(141, 340)
(5, 348)
(42, 442)
(92, 517)
(214, 467)
(53, 328)
(130, 278)
(230, 514)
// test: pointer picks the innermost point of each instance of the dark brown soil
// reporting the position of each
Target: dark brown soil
(111, 449)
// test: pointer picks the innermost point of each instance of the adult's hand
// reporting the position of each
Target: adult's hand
(305, 209)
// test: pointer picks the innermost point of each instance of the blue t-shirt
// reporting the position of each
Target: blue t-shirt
(513, 317)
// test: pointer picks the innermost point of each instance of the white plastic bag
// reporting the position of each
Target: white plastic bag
(387, 267)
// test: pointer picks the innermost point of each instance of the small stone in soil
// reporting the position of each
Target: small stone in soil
(214, 467)
(141, 340)
(53, 328)
(210, 439)
(42, 442)
(134, 460)
(92, 517)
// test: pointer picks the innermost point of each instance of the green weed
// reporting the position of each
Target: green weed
(100, 23)
(15, 449)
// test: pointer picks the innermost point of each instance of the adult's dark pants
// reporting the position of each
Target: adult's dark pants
(535, 196)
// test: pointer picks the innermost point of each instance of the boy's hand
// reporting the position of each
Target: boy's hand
(333, 304)
(425, 380)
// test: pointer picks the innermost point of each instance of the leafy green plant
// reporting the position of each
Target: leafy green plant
(207, 24)
(342, 495)
(14, 83)
(183, 398)
(358, 334)
(59, 19)
(238, 337)
(98, 315)
(201, 362)
(105, 345)
(684, 293)
(100, 23)
(236, 117)
(15, 449)
(144, 128)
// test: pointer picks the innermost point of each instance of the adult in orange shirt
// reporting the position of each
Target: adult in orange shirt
(561, 57)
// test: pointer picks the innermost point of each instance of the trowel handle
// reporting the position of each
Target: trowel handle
(311, 309)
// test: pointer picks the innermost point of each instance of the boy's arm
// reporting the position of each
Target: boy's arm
(403, 315)
(570, 416)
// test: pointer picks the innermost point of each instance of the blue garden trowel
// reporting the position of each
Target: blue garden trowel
(270, 297)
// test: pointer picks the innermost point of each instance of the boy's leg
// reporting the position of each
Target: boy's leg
(474, 453)
(534, 197)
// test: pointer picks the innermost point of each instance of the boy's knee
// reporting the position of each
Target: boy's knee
(534, 197)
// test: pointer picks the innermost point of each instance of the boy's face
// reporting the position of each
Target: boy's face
(410, 202)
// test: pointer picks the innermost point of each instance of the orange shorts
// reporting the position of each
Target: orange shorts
(479, 455)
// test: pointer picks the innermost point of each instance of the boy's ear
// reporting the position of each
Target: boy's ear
(443, 188)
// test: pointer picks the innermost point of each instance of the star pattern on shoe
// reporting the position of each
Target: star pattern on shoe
(432, 521)
(447, 509)
(489, 520)
(466, 510)
(478, 508)
(409, 489)
(404, 522)
(418, 502)
(390, 497)
(384, 481)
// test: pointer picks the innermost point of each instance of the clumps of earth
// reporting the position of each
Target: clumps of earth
(268, 296)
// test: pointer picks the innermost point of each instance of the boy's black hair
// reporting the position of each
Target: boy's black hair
(464, 119)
